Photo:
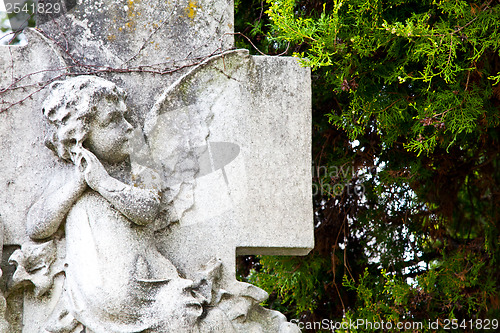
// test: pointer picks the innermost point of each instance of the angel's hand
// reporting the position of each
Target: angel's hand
(139, 205)
(78, 176)
(92, 169)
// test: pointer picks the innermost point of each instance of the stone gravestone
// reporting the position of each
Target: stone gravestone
(142, 236)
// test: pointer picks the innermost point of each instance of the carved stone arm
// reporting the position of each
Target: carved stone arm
(141, 206)
(47, 213)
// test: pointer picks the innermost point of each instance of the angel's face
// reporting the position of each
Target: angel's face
(110, 132)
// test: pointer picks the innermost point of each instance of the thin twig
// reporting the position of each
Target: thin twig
(255, 47)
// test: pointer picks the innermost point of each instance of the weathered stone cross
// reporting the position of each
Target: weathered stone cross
(229, 132)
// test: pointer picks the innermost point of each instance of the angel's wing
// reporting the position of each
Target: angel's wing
(178, 131)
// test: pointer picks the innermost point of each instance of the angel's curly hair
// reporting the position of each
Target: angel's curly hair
(69, 107)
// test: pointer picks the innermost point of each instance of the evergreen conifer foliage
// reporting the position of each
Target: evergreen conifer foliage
(423, 70)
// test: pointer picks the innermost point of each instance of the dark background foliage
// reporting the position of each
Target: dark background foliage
(406, 158)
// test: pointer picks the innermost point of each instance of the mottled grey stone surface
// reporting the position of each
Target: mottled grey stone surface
(223, 136)
(260, 201)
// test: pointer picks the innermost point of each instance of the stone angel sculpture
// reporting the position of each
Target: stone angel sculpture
(115, 279)
(107, 215)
